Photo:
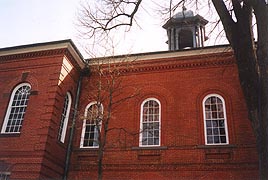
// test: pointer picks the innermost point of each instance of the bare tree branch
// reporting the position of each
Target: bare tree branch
(226, 19)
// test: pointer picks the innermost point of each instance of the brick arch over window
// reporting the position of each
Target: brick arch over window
(16, 108)
(31, 79)
(157, 91)
(215, 120)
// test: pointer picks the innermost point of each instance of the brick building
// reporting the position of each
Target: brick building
(187, 120)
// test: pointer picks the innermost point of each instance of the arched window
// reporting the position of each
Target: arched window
(64, 117)
(215, 122)
(91, 125)
(150, 122)
(16, 109)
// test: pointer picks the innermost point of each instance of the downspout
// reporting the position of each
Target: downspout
(70, 142)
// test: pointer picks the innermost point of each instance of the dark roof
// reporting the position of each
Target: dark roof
(197, 19)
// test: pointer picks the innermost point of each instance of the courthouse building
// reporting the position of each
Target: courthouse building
(187, 120)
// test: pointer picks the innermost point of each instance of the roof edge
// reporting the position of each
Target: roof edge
(35, 47)
(167, 54)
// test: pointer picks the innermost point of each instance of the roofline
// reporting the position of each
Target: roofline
(167, 54)
(67, 43)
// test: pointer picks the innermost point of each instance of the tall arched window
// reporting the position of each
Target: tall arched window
(65, 117)
(215, 122)
(16, 108)
(91, 125)
(150, 122)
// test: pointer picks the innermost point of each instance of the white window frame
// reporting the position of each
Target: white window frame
(5, 175)
(10, 108)
(225, 119)
(141, 122)
(84, 126)
(65, 117)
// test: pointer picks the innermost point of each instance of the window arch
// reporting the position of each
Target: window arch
(215, 122)
(91, 125)
(16, 108)
(64, 117)
(150, 122)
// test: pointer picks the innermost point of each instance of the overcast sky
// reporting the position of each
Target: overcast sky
(34, 21)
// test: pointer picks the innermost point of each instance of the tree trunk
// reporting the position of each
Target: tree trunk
(100, 158)
(252, 66)
(261, 12)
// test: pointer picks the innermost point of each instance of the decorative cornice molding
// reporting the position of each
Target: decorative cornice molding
(181, 66)
(188, 62)
(35, 54)
(39, 54)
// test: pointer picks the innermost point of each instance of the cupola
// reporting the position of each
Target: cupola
(185, 30)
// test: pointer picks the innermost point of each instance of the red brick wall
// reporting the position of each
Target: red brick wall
(180, 84)
(35, 152)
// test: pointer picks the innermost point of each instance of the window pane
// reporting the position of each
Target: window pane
(215, 123)
(215, 131)
(208, 115)
(208, 123)
(209, 131)
(220, 107)
(221, 123)
(150, 141)
(156, 141)
(223, 139)
(213, 100)
(208, 101)
(210, 139)
(222, 131)
(216, 139)
(214, 107)
(156, 133)
(207, 107)
(144, 141)
(155, 125)
(220, 115)
(214, 115)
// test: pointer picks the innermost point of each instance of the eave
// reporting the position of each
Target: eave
(43, 49)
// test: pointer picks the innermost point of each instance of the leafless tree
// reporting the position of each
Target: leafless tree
(106, 86)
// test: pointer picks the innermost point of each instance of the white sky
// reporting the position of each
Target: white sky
(32, 21)
(35, 21)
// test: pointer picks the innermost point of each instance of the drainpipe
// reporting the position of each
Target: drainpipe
(70, 143)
